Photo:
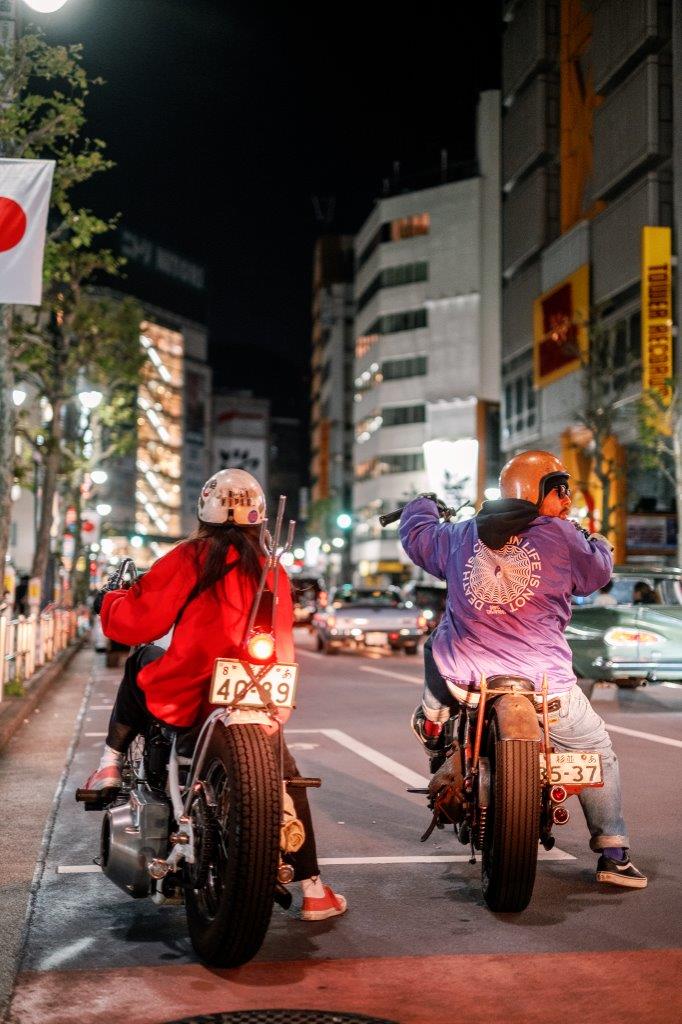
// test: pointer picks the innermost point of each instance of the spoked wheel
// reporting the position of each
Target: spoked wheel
(236, 817)
(510, 845)
(132, 768)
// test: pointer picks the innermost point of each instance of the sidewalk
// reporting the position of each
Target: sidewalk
(31, 765)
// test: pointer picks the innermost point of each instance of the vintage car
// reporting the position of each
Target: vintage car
(359, 618)
(633, 634)
(429, 598)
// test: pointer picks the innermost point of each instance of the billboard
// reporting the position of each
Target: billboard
(657, 322)
(560, 319)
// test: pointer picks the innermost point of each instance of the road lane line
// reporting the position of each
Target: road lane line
(78, 869)
(95, 735)
(456, 858)
(392, 675)
(69, 952)
(644, 735)
(387, 764)
(100, 707)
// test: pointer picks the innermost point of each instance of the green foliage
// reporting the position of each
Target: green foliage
(78, 338)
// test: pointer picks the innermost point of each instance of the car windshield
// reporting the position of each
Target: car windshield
(638, 588)
(366, 598)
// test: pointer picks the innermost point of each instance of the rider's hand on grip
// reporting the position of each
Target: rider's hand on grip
(603, 539)
(581, 529)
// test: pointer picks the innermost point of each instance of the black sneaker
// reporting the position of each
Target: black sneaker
(433, 744)
(620, 872)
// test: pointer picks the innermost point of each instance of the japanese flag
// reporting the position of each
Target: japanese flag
(25, 187)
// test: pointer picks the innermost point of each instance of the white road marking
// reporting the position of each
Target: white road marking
(95, 735)
(303, 746)
(100, 707)
(457, 858)
(392, 675)
(79, 869)
(69, 952)
(644, 735)
(387, 764)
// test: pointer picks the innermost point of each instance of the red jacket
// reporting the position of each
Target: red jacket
(212, 626)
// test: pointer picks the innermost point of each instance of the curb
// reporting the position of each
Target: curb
(13, 710)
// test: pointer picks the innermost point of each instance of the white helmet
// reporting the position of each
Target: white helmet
(232, 496)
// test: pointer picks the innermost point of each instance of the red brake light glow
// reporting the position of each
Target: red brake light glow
(261, 647)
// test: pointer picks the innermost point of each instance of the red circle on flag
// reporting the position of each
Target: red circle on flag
(12, 223)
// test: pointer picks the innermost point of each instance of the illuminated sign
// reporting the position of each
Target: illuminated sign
(657, 324)
(560, 327)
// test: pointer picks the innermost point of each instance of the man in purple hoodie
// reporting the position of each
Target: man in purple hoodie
(511, 571)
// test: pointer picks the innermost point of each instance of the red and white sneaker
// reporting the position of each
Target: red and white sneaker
(105, 778)
(321, 907)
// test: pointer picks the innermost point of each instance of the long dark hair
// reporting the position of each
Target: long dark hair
(212, 546)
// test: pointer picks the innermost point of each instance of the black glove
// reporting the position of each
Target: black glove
(97, 602)
(581, 529)
(440, 505)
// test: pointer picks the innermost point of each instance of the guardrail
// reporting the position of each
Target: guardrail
(26, 644)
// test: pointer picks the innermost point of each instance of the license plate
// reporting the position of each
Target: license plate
(230, 676)
(375, 639)
(573, 768)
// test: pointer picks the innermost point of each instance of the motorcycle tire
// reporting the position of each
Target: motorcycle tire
(512, 829)
(231, 886)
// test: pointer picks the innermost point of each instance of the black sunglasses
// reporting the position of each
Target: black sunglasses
(562, 489)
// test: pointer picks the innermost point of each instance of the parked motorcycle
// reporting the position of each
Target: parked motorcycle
(500, 784)
(204, 817)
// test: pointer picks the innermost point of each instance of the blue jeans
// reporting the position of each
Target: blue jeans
(576, 726)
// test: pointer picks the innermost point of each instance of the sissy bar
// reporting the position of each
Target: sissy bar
(270, 547)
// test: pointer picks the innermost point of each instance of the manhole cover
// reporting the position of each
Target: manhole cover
(281, 1017)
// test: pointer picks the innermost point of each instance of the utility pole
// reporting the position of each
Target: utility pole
(7, 416)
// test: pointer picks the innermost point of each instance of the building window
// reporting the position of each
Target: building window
(519, 406)
(393, 277)
(396, 231)
(399, 369)
(397, 415)
(392, 323)
(401, 462)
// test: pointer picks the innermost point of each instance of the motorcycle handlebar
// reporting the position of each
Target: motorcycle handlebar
(443, 511)
(391, 517)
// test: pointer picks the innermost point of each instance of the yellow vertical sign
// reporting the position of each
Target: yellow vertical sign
(657, 316)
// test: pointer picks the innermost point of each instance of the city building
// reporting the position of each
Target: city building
(427, 348)
(590, 175)
(241, 433)
(331, 426)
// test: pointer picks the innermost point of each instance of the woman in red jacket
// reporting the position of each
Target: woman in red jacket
(203, 591)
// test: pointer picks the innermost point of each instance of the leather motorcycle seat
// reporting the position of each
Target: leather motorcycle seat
(504, 682)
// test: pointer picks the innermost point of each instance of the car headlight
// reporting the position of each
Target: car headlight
(623, 636)
(428, 614)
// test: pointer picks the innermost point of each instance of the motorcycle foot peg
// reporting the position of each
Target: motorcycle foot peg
(96, 799)
(285, 874)
(299, 782)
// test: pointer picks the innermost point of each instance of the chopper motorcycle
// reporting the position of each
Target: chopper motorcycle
(204, 817)
(500, 784)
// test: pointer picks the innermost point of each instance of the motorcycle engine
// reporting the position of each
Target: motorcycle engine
(133, 834)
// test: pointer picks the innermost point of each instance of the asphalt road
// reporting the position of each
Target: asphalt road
(417, 946)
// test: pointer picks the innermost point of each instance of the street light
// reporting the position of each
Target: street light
(45, 6)
(99, 476)
(90, 399)
(18, 396)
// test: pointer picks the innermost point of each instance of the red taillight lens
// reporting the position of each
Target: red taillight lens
(560, 815)
(558, 794)
(261, 647)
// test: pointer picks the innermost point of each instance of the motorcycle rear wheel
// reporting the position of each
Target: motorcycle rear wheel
(510, 844)
(230, 891)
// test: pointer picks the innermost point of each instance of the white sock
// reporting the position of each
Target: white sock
(110, 758)
(312, 887)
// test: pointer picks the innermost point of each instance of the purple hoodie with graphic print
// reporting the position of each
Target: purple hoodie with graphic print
(507, 609)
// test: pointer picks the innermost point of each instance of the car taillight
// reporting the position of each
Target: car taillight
(261, 647)
(331, 621)
(622, 636)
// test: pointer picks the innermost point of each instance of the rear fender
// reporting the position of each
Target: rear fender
(517, 718)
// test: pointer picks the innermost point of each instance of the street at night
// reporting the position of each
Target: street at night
(417, 940)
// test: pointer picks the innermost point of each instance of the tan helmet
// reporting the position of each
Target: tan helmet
(232, 496)
(526, 476)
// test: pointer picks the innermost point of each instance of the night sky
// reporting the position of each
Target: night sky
(226, 117)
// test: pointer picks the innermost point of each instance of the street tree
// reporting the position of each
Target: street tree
(660, 437)
(76, 339)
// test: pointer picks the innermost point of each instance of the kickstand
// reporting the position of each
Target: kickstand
(472, 859)
(434, 822)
